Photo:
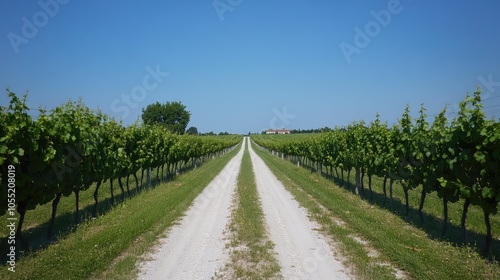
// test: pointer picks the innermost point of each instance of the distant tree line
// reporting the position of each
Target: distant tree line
(312, 130)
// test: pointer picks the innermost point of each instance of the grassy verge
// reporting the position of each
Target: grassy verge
(433, 214)
(37, 221)
(252, 255)
(377, 243)
(110, 247)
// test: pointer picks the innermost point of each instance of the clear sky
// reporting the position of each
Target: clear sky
(241, 65)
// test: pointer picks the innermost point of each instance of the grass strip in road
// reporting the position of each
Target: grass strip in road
(111, 246)
(252, 255)
(397, 242)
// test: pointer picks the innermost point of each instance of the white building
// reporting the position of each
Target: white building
(278, 131)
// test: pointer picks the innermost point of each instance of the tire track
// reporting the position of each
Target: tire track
(302, 251)
(194, 249)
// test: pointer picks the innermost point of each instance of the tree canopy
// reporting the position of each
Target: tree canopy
(172, 115)
(192, 130)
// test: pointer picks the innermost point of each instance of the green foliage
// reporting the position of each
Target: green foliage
(192, 130)
(172, 115)
(72, 147)
(27, 147)
(460, 160)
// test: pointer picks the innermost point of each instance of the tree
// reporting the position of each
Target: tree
(171, 115)
(192, 130)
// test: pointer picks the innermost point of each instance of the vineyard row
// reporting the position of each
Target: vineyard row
(458, 159)
(71, 148)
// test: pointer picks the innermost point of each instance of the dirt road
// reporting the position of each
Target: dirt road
(302, 251)
(194, 249)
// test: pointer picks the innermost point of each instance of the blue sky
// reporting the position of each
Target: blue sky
(241, 65)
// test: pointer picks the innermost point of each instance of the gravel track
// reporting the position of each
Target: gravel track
(302, 251)
(194, 249)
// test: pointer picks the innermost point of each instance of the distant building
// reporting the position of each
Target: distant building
(278, 131)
